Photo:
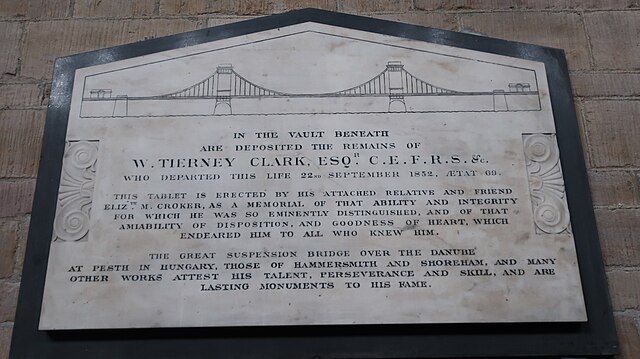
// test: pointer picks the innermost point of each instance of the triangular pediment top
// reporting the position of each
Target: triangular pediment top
(319, 16)
(306, 59)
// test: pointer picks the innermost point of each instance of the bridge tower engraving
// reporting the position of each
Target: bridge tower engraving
(396, 87)
(223, 91)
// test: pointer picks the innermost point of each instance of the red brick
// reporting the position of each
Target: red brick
(235, 7)
(560, 30)
(16, 197)
(615, 38)
(5, 340)
(376, 5)
(47, 40)
(619, 232)
(113, 8)
(20, 95)
(8, 245)
(629, 336)
(20, 141)
(624, 287)
(34, 8)
(613, 130)
(318, 4)
(605, 84)
(8, 300)
(10, 33)
(612, 188)
(437, 20)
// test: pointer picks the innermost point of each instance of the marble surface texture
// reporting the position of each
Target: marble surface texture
(311, 175)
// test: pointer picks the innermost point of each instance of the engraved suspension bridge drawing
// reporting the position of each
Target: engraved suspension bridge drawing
(227, 92)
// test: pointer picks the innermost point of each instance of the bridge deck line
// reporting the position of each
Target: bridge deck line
(485, 93)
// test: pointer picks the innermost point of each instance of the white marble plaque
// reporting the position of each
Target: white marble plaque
(311, 175)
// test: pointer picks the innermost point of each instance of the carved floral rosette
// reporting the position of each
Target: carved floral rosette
(546, 185)
(73, 212)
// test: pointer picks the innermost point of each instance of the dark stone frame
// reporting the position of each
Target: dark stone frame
(595, 338)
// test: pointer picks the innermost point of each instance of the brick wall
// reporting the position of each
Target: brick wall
(601, 39)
